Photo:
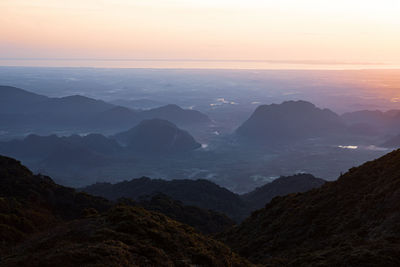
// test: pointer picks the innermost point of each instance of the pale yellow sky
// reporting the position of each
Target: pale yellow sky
(316, 30)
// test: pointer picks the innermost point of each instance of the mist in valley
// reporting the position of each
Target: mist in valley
(210, 105)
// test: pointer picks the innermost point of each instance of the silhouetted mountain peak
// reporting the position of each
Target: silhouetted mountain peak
(79, 100)
(171, 107)
(157, 135)
(299, 108)
(301, 104)
(288, 122)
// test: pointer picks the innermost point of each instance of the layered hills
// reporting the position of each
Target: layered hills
(375, 122)
(79, 160)
(200, 193)
(20, 109)
(296, 121)
(352, 221)
(72, 154)
(206, 194)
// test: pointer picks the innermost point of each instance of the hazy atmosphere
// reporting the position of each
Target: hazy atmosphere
(199, 133)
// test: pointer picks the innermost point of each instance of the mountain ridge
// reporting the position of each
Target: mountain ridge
(203, 193)
(282, 186)
(352, 221)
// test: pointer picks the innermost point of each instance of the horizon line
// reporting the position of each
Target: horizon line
(284, 61)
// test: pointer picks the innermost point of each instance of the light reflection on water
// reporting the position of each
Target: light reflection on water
(348, 147)
(369, 147)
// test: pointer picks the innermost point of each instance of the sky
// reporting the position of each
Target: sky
(306, 31)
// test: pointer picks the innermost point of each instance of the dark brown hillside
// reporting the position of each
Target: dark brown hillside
(32, 203)
(124, 236)
(45, 224)
(354, 221)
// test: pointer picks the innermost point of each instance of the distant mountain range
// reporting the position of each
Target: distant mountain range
(296, 121)
(150, 136)
(381, 122)
(353, 221)
(45, 224)
(75, 154)
(20, 109)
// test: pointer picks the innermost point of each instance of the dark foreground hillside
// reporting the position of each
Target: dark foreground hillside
(32, 203)
(124, 236)
(44, 224)
(354, 221)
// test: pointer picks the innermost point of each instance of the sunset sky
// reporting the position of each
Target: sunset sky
(340, 31)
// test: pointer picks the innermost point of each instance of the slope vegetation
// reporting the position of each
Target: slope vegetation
(353, 221)
(44, 224)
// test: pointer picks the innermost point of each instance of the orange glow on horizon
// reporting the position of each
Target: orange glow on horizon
(317, 30)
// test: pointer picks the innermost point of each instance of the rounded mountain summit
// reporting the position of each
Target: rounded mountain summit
(157, 136)
(290, 121)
